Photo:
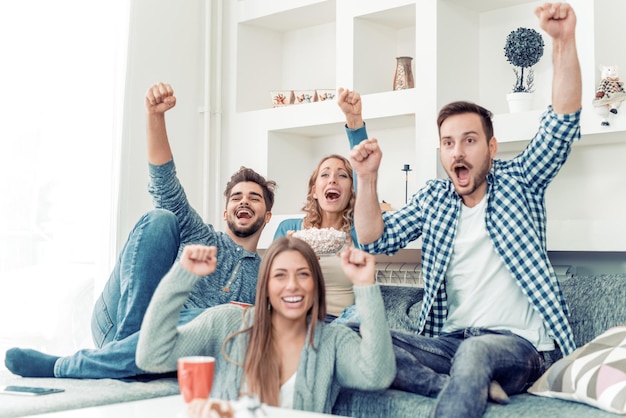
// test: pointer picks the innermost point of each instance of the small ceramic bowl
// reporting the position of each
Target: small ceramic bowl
(324, 241)
(305, 96)
(325, 94)
(282, 97)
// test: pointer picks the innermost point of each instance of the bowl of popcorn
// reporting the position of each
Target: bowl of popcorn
(324, 241)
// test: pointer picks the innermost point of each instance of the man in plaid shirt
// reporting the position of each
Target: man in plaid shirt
(493, 318)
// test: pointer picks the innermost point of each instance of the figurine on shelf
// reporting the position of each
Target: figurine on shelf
(610, 93)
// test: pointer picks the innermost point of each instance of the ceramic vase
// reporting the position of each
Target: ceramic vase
(404, 74)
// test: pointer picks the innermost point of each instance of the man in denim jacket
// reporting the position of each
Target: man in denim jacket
(151, 249)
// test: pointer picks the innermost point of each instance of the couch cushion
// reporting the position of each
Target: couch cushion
(402, 306)
(596, 304)
(594, 374)
(398, 404)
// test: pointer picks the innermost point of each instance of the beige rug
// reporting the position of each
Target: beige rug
(79, 393)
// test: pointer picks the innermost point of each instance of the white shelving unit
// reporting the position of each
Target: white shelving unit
(458, 55)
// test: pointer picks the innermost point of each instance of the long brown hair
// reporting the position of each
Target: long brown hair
(262, 364)
(312, 210)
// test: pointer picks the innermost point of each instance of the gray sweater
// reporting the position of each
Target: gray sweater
(339, 358)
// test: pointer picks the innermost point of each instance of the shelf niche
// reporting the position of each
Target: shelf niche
(294, 153)
(288, 50)
(379, 38)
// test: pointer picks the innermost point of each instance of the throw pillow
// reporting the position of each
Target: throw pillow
(594, 374)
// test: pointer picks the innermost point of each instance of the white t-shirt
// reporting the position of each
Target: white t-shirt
(287, 391)
(481, 291)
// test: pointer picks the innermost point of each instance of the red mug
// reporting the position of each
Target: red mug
(195, 377)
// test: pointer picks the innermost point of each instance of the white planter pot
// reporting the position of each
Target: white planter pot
(519, 102)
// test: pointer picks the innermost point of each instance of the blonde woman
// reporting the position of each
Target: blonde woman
(329, 204)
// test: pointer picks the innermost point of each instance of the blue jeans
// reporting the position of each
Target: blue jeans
(459, 366)
(148, 254)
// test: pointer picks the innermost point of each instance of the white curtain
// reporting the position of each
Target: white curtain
(61, 84)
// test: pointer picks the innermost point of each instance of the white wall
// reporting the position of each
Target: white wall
(166, 43)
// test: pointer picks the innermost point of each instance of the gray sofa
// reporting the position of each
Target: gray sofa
(596, 303)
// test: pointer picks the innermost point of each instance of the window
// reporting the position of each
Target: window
(62, 76)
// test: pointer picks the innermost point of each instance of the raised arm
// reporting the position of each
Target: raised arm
(365, 156)
(559, 21)
(350, 104)
(365, 363)
(368, 220)
(159, 99)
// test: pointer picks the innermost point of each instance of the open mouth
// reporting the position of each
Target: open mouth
(243, 213)
(462, 174)
(332, 194)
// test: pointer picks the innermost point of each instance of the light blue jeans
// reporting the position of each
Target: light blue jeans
(458, 367)
(148, 254)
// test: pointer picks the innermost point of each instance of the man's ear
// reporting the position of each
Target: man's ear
(493, 147)
(225, 214)
(268, 216)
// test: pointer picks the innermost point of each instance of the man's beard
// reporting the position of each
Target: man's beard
(247, 231)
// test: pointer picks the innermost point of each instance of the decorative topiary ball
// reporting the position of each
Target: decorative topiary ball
(524, 47)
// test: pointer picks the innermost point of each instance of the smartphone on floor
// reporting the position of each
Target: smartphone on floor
(28, 390)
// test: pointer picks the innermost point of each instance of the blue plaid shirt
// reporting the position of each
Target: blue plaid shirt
(515, 220)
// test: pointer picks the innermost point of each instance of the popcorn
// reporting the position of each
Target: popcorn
(324, 241)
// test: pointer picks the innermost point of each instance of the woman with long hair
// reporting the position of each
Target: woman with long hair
(329, 204)
(280, 350)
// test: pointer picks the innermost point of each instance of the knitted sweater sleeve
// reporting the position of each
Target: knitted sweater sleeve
(162, 341)
(366, 362)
